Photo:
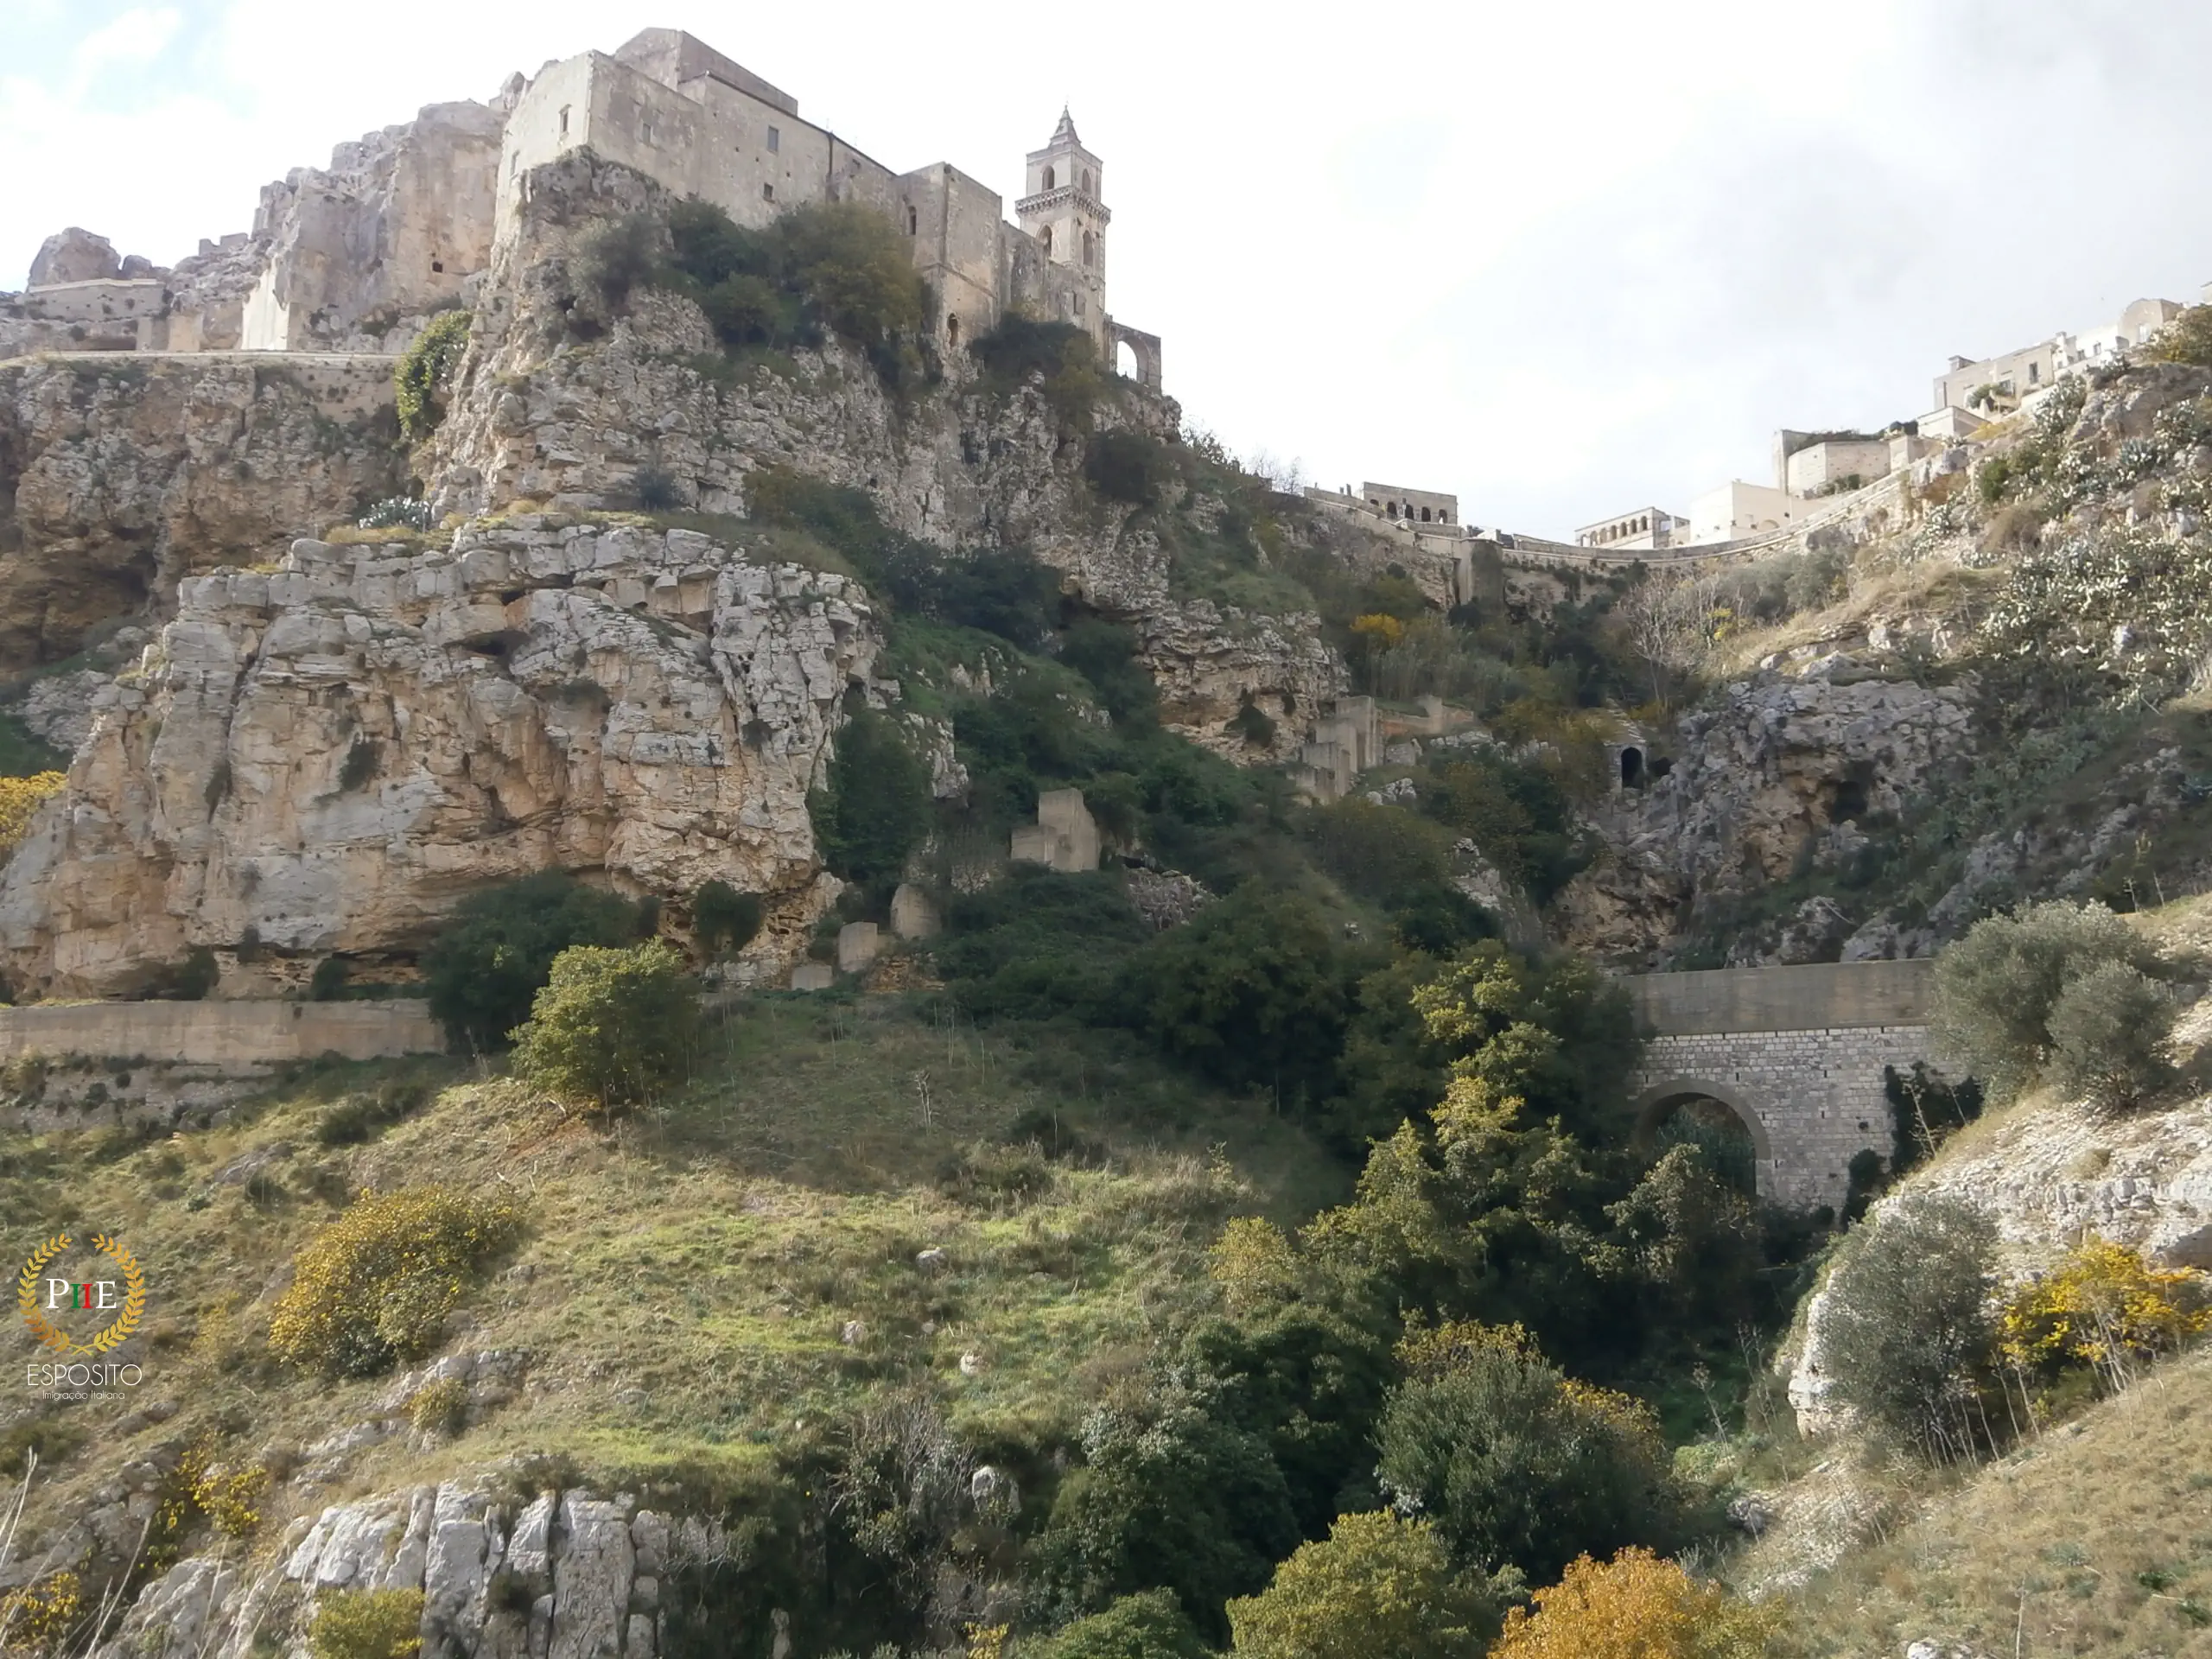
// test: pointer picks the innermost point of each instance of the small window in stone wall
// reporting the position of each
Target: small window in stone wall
(1089, 248)
(913, 221)
(767, 192)
(1087, 186)
(1048, 178)
(1078, 305)
(775, 140)
(564, 120)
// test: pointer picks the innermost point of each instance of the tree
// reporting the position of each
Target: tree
(875, 808)
(1998, 988)
(2106, 1307)
(1380, 1587)
(1256, 992)
(1905, 1325)
(610, 1028)
(2108, 1030)
(725, 920)
(1518, 1465)
(1169, 1496)
(1144, 1626)
(368, 1624)
(488, 961)
(1664, 619)
(1636, 1606)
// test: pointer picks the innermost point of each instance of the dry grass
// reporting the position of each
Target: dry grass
(2094, 1540)
(1881, 590)
(687, 1278)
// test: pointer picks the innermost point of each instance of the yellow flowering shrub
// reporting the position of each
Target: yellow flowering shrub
(1636, 1606)
(2104, 1306)
(198, 1486)
(19, 798)
(368, 1624)
(375, 1286)
(1253, 1263)
(39, 1618)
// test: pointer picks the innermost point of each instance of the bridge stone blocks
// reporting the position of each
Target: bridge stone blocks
(1797, 1054)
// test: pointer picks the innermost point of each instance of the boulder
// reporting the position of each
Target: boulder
(73, 256)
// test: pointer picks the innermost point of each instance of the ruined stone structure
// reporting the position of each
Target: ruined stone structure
(1797, 1054)
(355, 257)
(1064, 836)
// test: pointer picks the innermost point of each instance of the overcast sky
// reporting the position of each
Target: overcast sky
(1562, 258)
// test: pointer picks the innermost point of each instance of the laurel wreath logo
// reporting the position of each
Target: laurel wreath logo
(118, 1330)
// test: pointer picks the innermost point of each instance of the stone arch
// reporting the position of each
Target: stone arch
(1144, 346)
(1048, 178)
(1650, 1110)
(1631, 767)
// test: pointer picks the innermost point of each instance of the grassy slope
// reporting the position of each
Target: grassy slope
(2094, 1540)
(687, 1278)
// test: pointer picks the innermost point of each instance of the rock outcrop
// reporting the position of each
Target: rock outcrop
(121, 475)
(1776, 772)
(561, 1575)
(324, 758)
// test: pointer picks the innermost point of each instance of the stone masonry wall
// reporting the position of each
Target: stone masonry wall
(1814, 1097)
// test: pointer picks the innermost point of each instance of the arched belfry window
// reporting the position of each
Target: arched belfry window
(1088, 187)
(1048, 178)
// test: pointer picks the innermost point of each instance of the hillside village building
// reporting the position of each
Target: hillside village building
(352, 257)
(1646, 529)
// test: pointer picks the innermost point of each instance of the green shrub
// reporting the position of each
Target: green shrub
(2107, 1034)
(368, 1624)
(1021, 348)
(1039, 944)
(1105, 653)
(610, 1028)
(1149, 1625)
(656, 490)
(376, 1286)
(1517, 1464)
(2187, 339)
(1997, 987)
(1379, 1584)
(875, 808)
(621, 255)
(1905, 1326)
(488, 961)
(439, 1407)
(1256, 992)
(419, 378)
(1169, 1496)
(1127, 467)
(725, 920)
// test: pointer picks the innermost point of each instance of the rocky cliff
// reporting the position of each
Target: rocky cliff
(121, 475)
(322, 757)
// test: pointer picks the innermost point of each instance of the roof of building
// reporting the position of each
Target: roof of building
(672, 57)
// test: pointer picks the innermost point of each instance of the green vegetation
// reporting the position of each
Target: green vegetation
(874, 810)
(488, 961)
(1379, 1584)
(1908, 1329)
(368, 1624)
(419, 377)
(1058, 354)
(1149, 1625)
(725, 920)
(610, 1028)
(2060, 989)
(377, 1285)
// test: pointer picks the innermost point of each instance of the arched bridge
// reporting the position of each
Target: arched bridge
(1797, 1054)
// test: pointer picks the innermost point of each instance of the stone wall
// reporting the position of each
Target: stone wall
(1796, 1052)
(222, 1033)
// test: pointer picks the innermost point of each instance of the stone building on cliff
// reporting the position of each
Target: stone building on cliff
(350, 257)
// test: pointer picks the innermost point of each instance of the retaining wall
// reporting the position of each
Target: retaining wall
(222, 1033)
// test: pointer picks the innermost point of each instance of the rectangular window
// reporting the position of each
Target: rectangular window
(1078, 305)
(564, 120)
(767, 192)
(775, 140)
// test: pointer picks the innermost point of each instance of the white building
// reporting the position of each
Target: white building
(1737, 509)
(1645, 529)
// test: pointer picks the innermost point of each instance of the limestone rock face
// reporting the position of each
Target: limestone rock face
(119, 477)
(325, 758)
(559, 401)
(1781, 769)
(568, 1575)
(73, 256)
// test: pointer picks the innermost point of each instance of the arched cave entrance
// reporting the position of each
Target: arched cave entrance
(1726, 1132)
(1631, 767)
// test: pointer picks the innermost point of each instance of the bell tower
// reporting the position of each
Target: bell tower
(1065, 211)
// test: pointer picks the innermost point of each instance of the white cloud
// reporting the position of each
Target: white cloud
(138, 36)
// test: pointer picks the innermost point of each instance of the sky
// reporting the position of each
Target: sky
(1563, 259)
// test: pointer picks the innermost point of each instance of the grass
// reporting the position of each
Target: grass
(2095, 1539)
(688, 1277)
